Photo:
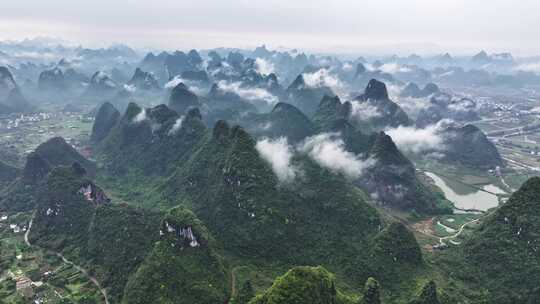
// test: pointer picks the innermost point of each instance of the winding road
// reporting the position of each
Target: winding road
(449, 237)
(85, 272)
(441, 240)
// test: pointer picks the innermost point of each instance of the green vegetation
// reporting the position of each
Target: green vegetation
(150, 145)
(302, 285)
(7, 173)
(234, 226)
(179, 270)
(371, 292)
(504, 253)
(428, 295)
(84, 231)
(106, 118)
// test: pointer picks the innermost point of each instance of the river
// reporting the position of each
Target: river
(471, 199)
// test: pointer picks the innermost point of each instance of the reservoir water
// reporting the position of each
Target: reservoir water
(471, 198)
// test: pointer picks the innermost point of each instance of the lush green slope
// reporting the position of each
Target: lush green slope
(392, 179)
(183, 266)
(111, 241)
(7, 175)
(303, 285)
(22, 193)
(150, 140)
(428, 295)
(182, 99)
(247, 209)
(57, 152)
(395, 253)
(504, 254)
(7, 172)
(106, 117)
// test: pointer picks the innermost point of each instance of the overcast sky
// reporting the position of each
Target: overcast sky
(346, 26)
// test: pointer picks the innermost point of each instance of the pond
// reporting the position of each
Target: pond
(467, 197)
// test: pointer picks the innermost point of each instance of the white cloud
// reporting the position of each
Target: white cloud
(348, 67)
(140, 117)
(250, 94)
(364, 111)
(411, 139)
(392, 68)
(177, 125)
(529, 67)
(323, 78)
(278, 153)
(264, 67)
(174, 82)
(130, 88)
(328, 150)
(412, 106)
(190, 84)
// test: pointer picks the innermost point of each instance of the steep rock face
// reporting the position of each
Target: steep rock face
(52, 153)
(101, 86)
(481, 57)
(36, 168)
(430, 89)
(504, 253)
(375, 90)
(469, 146)
(150, 139)
(360, 69)
(443, 106)
(219, 98)
(7, 82)
(314, 285)
(22, 195)
(201, 76)
(72, 77)
(11, 98)
(304, 97)
(245, 206)
(143, 80)
(182, 99)
(52, 80)
(392, 180)
(183, 266)
(151, 60)
(156, 65)
(223, 104)
(179, 62)
(63, 210)
(284, 120)
(384, 114)
(74, 217)
(331, 110)
(57, 152)
(106, 118)
(412, 90)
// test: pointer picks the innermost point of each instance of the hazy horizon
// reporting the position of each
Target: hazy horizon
(343, 26)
